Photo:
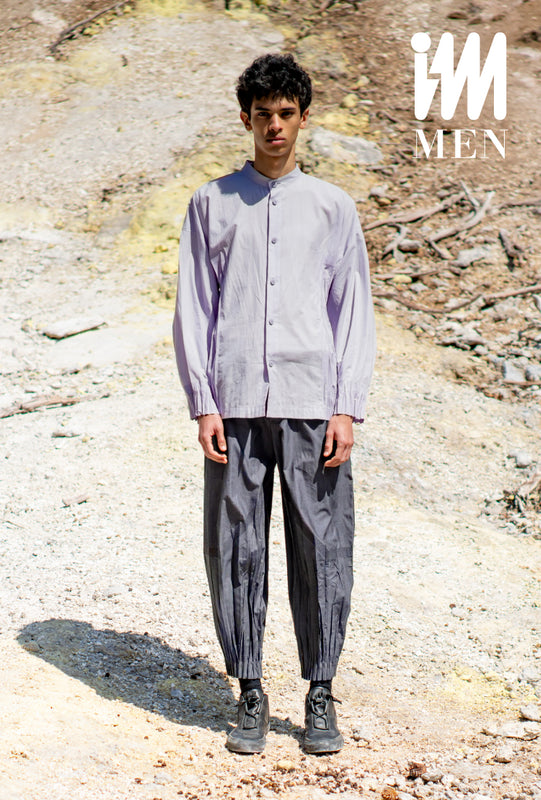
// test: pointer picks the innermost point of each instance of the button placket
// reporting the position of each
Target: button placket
(273, 270)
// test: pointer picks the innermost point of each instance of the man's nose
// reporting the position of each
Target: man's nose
(274, 122)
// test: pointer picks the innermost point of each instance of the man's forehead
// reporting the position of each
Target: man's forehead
(272, 103)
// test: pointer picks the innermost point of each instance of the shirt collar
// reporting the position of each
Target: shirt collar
(250, 172)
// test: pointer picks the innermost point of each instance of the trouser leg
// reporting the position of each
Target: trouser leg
(237, 507)
(319, 529)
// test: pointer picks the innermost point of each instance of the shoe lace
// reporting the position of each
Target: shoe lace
(252, 704)
(319, 702)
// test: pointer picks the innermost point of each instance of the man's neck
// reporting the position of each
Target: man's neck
(274, 167)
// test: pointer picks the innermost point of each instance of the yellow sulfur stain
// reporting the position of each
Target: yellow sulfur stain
(345, 121)
(169, 8)
(476, 690)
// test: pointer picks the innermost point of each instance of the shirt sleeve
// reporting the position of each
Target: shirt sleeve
(195, 313)
(351, 314)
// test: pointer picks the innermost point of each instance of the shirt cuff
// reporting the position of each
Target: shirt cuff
(349, 402)
(201, 402)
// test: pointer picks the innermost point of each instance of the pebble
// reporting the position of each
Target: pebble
(504, 754)
(531, 712)
(533, 372)
(514, 730)
(522, 458)
(530, 675)
(410, 245)
(70, 327)
(362, 733)
(432, 776)
(467, 257)
(349, 149)
(511, 373)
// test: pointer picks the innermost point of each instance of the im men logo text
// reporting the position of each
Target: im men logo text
(468, 74)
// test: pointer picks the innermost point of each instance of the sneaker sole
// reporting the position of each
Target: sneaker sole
(257, 746)
(324, 745)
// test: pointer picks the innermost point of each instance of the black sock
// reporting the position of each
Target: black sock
(325, 684)
(249, 683)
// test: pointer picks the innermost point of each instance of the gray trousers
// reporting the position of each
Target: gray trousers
(319, 528)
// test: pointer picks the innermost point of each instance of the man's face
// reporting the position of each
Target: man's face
(275, 124)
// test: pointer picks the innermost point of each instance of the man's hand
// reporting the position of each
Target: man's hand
(339, 429)
(212, 425)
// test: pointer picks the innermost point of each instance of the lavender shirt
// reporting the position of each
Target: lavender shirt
(274, 314)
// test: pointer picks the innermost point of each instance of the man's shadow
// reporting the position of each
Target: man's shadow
(139, 669)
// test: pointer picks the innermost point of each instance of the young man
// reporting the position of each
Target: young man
(275, 345)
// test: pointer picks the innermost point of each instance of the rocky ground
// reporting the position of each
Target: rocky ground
(112, 685)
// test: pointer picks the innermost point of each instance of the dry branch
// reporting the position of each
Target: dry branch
(515, 253)
(474, 219)
(416, 214)
(488, 299)
(44, 401)
(67, 33)
(392, 247)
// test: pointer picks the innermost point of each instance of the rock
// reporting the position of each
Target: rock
(31, 647)
(504, 754)
(284, 765)
(511, 373)
(401, 278)
(432, 776)
(522, 458)
(514, 730)
(349, 149)
(531, 712)
(379, 190)
(349, 101)
(409, 245)
(530, 675)
(70, 327)
(467, 257)
(362, 733)
(533, 372)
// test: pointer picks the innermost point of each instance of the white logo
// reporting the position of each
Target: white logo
(468, 72)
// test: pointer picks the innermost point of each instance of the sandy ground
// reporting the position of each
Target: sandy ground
(112, 684)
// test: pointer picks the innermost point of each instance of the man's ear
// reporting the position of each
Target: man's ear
(304, 118)
(246, 119)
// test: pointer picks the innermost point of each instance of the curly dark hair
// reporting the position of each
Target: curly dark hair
(274, 75)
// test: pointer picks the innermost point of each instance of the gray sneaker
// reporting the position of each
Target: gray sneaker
(252, 723)
(321, 734)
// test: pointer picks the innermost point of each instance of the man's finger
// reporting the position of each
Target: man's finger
(220, 438)
(329, 439)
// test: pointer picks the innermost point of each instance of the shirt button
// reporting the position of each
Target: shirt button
(272, 281)
(273, 184)
(274, 202)
(273, 241)
(271, 322)
(271, 363)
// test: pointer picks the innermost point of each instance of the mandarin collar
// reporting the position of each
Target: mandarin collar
(250, 172)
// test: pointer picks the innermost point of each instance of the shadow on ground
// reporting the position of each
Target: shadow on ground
(139, 669)
(136, 668)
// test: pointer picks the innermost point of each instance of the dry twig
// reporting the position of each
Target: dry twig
(72, 30)
(44, 401)
(515, 253)
(474, 219)
(416, 214)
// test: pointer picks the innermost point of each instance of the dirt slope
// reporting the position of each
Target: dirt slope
(112, 684)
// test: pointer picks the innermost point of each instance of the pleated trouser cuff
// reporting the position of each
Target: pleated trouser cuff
(244, 669)
(320, 672)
